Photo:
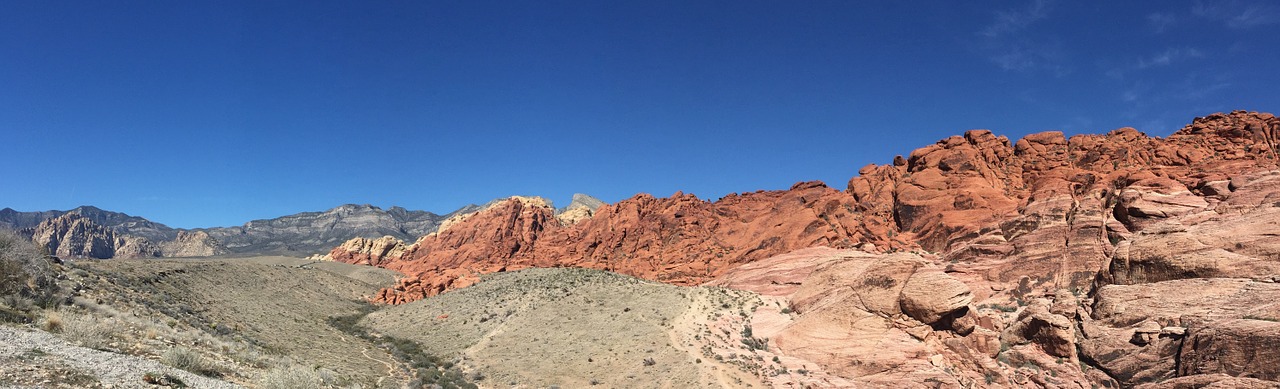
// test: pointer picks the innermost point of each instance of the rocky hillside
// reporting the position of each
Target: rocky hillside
(1110, 260)
(75, 236)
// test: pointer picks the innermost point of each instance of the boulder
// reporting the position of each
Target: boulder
(930, 296)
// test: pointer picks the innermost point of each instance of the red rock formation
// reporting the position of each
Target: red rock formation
(681, 239)
(1151, 261)
(1043, 213)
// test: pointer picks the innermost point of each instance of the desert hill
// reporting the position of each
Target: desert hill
(1095, 260)
(571, 328)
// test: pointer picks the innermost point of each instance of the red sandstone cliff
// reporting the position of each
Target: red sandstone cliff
(1055, 207)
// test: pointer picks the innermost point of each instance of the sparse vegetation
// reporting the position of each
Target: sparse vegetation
(87, 331)
(999, 307)
(26, 279)
(186, 359)
(428, 369)
(1263, 318)
(291, 377)
(752, 342)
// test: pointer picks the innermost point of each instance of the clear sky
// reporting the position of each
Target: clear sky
(199, 114)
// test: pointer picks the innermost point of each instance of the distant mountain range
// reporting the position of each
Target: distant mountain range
(317, 232)
(89, 231)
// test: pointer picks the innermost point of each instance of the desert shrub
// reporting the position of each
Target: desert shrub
(13, 278)
(752, 342)
(189, 360)
(52, 322)
(163, 380)
(26, 279)
(87, 331)
(291, 377)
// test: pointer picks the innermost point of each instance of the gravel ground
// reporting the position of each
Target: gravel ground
(36, 359)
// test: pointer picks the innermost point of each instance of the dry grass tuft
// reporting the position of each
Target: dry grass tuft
(87, 330)
(52, 322)
(189, 360)
(291, 377)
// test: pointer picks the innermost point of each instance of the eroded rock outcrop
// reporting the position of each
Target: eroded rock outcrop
(1045, 213)
(681, 239)
(74, 236)
(192, 244)
(580, 208)
(365, 251)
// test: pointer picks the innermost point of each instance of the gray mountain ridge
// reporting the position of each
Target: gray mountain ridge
(300, 234)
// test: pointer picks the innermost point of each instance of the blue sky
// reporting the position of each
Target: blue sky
(199, 114)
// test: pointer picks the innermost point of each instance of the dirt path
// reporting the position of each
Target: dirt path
(391, 367)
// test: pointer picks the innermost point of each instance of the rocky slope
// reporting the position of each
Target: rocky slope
(1108, 260)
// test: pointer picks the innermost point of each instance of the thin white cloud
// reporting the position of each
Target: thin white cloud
(1160, 22)
(1190, 89)
(1195, 88)
(1012, 21)
(1169, 56)
(1238, 14)
(1009, 46)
